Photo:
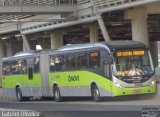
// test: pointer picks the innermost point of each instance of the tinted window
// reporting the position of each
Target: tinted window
(82, 61)
(52, 63)
(6, 68)
(36, 65)
(94, 59)
(71, 62)
(18, 67)
(30, 73)
(57, 63)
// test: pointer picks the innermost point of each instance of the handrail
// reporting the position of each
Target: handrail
(36, 2)
(109, 3)
(79, 2)
(102, 6)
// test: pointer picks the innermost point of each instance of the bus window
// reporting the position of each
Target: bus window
(6, 68)
(94, 59)
(23, 66)
(18, 67)
(52, 63)
(14, 67)
(82, 61)
(59, 63)
(36, 65)
(71, 62)
(30, 73)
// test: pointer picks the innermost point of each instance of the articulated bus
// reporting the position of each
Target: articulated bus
(102, 69)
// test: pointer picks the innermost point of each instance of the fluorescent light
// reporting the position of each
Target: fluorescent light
(17, 35)
(3, 38)
(38, 47)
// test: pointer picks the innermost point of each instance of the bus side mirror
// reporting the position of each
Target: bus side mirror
(108, 60)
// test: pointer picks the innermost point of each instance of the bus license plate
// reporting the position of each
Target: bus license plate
(137, 91)
(138, 85)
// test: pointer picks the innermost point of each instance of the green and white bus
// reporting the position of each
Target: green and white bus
(102, 69)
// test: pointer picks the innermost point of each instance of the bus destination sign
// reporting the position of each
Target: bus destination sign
(130, 53)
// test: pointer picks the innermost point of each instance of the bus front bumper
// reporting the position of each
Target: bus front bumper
(134, 91)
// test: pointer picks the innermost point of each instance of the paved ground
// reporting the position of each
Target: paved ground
(143, 106)
(1, 92)
(71, 107)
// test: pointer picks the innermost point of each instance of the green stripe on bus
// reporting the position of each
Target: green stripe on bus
(75, 78)
(79, 78)
(23, 80)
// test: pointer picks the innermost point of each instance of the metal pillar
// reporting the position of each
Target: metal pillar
(26, 45)
(56, 39)
(93, 32)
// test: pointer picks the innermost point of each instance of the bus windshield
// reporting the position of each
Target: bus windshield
(133, 63)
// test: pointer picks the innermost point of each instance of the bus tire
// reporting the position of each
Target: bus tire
(26, 98)
(95, 93)
(57, 94)
(19, 95)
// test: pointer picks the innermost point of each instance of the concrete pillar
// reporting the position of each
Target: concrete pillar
(93, 31)
(56, 39)
(138, 17)
(26, 45)
(154, 52)
(103, 28)
(9, 48)
(1, 56)
(101, 23)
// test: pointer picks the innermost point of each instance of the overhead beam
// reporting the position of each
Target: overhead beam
(153, 8)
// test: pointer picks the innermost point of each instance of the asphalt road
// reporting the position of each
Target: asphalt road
(144, 106)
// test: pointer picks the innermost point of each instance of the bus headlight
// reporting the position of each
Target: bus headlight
(153, 83)
(118, 85)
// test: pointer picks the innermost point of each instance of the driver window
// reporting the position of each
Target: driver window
(121, 66)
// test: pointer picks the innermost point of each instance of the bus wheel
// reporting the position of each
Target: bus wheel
(95, 93)
(57, 94)
(19, 96)
(26, 98)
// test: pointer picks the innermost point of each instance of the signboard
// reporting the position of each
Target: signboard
(130, 53)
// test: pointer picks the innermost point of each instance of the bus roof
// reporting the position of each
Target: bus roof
(109, 45)
(22, 54)
(122, 45)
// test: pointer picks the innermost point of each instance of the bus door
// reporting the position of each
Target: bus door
(32, 83)
(44, 68)
(107, 71)
(30, 74)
